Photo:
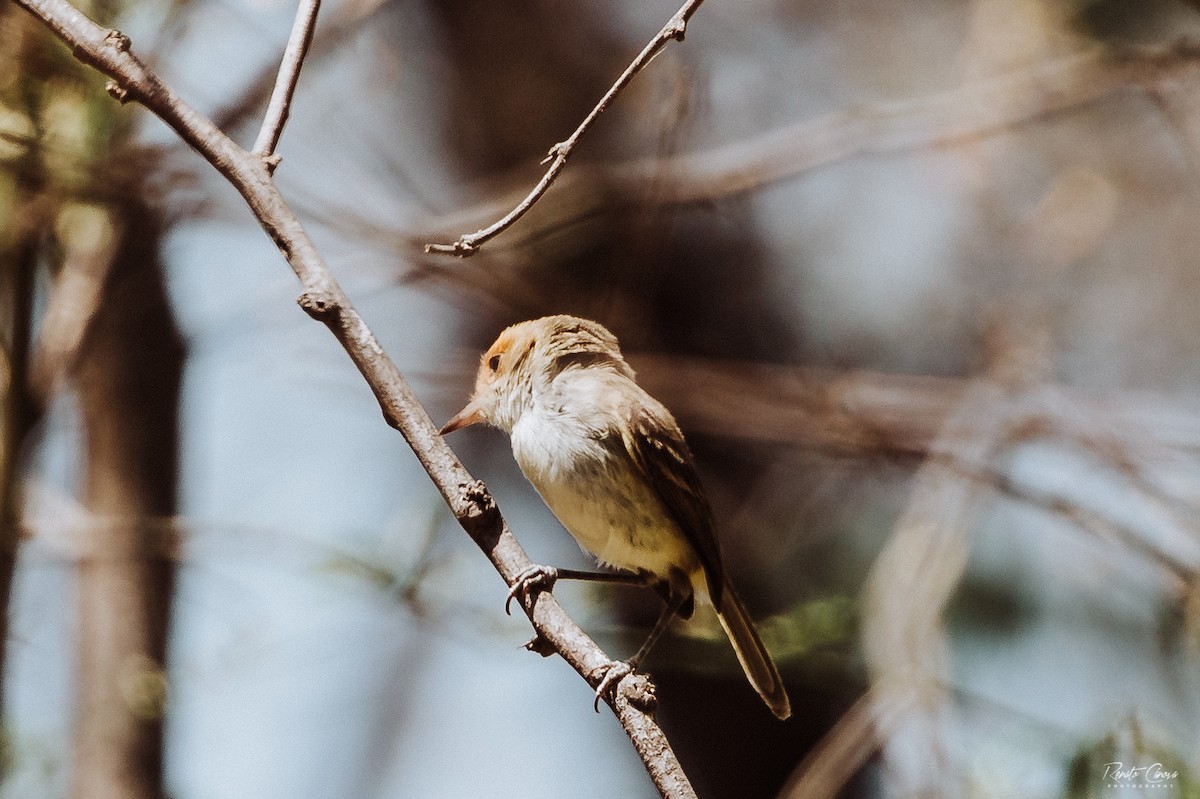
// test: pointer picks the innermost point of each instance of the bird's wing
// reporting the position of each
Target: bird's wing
(657, 447)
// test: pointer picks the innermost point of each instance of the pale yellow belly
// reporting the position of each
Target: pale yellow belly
(623, 528)
(612, 514)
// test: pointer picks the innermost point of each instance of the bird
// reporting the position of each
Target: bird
(613, 466)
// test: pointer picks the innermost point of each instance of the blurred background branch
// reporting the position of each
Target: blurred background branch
(908, 590)
(862, 413)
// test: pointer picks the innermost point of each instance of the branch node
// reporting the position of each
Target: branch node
(676, 30)
(117, 40)
(539, 645)
(463, 248)
(635, 689)
(318, 304)
(481, 505)
(271, 161)
(117, 91)
(640, 692)
(560, 150)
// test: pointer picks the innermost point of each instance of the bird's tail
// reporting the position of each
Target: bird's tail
(751, 653)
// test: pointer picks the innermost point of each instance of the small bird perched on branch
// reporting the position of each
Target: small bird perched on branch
(611, 463)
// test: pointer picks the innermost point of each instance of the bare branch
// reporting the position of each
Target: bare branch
(285, 82)
(468, 244)
(323, 299)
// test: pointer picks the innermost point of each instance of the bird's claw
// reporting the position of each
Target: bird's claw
(535, 576)
(613, 674)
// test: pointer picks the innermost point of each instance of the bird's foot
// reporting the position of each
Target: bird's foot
(535, 577)
(613, 674)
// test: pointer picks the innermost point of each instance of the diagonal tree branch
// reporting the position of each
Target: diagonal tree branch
(109, 51)
(285, 82)
(468, 244)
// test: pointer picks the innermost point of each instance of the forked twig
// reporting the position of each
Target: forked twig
(469, 243)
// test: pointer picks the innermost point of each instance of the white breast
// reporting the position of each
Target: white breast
(597, 493)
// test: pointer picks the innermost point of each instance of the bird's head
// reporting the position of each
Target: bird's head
(525, 359)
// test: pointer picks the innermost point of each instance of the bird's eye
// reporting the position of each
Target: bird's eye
(494, 362)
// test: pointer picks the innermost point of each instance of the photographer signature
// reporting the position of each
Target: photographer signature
(1117, 774)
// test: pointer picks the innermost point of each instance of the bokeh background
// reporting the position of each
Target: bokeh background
(919, 280)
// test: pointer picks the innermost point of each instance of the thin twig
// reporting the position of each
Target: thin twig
(468, 244)
(285, 82)
(338, 24)
(323, 299)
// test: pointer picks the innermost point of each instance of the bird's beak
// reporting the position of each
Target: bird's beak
(465, 418)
